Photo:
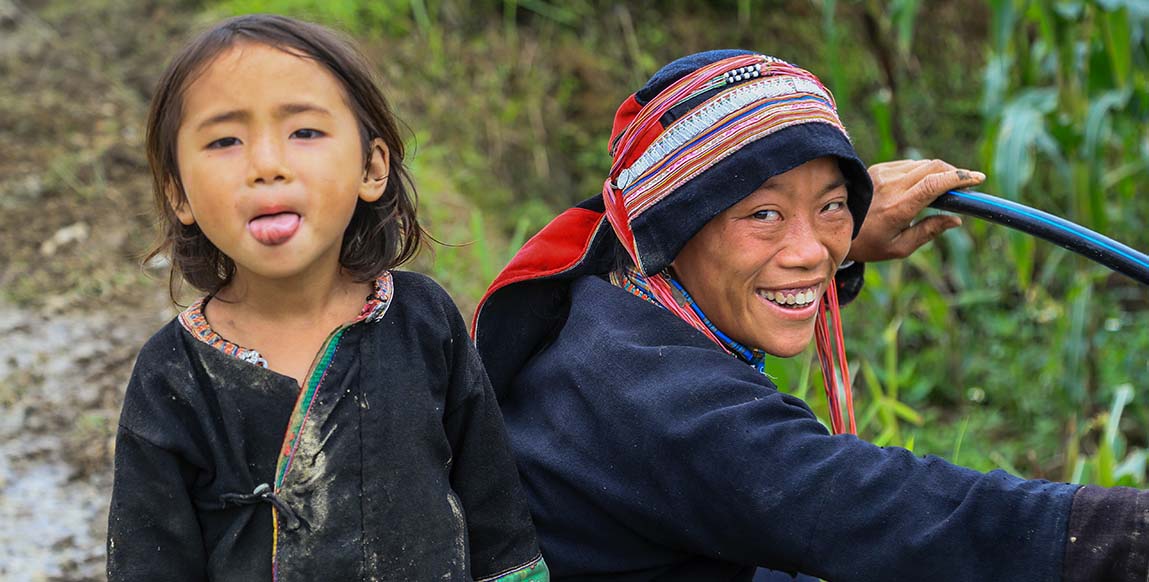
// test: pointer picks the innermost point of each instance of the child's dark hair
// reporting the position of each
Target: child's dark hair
(381, 235)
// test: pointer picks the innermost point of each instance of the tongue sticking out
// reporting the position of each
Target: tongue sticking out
(274, 229)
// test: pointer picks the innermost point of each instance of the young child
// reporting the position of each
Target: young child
(316, 416)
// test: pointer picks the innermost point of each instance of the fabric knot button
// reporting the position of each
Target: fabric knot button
(263, 493)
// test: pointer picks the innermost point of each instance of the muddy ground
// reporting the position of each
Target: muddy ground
(63, 376)
(74, 304)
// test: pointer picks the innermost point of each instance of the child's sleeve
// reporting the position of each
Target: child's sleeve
(153, 532)
(483, 474)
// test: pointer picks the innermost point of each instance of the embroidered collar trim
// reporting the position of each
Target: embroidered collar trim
(634, 282)
(195, 322)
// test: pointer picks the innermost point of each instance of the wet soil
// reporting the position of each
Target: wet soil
(74, 303)
(62, 380)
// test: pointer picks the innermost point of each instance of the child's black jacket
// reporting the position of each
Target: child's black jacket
(401, 470)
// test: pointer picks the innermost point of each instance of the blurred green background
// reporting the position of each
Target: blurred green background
(990, 348)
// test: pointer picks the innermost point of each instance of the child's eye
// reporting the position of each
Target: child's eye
(307, 133)
(223, 142)
(769, 215)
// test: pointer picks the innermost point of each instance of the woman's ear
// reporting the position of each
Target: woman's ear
(376, 173)
(179, 203)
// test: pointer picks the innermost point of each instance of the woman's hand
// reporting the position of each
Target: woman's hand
(902, 189)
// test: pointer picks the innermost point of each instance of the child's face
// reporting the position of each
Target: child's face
(271, 161)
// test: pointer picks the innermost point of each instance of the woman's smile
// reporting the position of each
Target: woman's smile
(797, 301)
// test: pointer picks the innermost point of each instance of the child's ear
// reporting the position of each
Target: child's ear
(376, 173)
(179, 204)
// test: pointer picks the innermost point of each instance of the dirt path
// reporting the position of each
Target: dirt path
(74, 304)
(62, 377)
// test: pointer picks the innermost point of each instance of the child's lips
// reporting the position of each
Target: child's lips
(274, 229)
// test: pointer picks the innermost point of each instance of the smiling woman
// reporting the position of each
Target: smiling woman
(627, 345)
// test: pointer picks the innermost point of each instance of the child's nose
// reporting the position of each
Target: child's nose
(267, 163)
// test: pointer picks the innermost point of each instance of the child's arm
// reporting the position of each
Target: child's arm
(153, 533)
(483, 475)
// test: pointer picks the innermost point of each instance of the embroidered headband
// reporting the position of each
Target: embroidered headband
(729, 103)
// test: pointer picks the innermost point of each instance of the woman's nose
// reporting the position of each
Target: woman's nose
(802, 247)
(267, 162)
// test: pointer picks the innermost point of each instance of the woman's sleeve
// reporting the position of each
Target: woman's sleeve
(153, 533)
(732, 469)
(483, 475)
(1108, 536)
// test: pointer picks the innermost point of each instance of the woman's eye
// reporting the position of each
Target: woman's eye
(307, 133)
(223, 142)
(767, 215)
(835, 205)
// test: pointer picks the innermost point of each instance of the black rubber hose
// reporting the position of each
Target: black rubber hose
(1102, 249)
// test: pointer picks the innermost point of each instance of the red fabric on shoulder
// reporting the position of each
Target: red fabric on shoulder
(560, 245)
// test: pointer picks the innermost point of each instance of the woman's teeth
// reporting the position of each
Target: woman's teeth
(789, 297)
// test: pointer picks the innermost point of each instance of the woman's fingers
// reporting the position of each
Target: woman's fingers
(907, 172)
(922, 232)
(933, 185)
(902, 190)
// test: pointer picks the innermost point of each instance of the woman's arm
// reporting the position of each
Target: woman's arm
(789, 495)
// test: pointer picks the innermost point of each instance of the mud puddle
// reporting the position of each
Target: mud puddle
(61, 380)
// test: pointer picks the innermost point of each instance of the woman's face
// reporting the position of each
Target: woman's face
(759, 269)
